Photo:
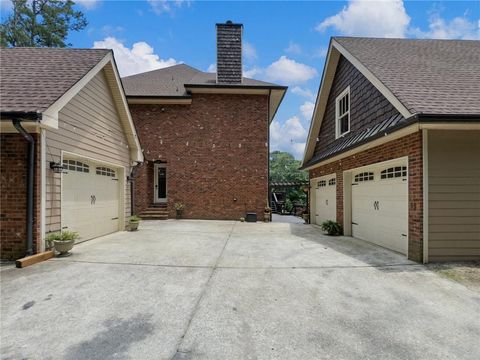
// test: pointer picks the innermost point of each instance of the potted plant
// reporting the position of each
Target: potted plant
(133, 222)
(332, 228)
(63, 241)
(306, 217)
(179, 207)
(267, 214)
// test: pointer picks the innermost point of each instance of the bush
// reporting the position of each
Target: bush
(135, 218)
(62, 236)
(332, 227)
(179, 206)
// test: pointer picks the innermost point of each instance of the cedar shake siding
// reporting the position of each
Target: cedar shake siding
(216, 154)
(368, 107)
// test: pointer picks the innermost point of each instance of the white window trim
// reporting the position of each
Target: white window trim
(337, 124)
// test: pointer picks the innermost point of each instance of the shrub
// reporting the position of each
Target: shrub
(135, 218)
(62, 236)
(332, 227)
(179, 206)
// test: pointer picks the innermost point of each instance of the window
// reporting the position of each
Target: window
(364, 176)
(105, 171)
(321, 183)
(75, 166)
(394, 172)
(342, 113)
(332, 181)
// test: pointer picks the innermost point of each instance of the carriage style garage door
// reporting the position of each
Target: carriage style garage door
(90, 199)
(380, 205)
(325, 198)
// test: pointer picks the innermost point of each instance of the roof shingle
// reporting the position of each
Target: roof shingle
(427, 76)
(32, 79)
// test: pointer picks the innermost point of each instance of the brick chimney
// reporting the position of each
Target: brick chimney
(229, 53)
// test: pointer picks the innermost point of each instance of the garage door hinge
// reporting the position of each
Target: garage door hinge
(354, 223)
(404, 235)
(116, 218)
(64, 227)
(355, 184)
(115, 179)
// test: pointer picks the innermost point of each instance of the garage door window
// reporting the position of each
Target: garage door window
(332, 181)
(104, 171)
(394, 172)
(364, 176)
(321, 183)
(75, 166)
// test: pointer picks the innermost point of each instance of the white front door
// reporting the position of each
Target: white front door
(160, 183)
(325, 198)
(380, 205)
(90, 199)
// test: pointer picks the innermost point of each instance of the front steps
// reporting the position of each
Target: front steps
(155, 212)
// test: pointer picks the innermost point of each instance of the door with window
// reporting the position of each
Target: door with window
(160, 183)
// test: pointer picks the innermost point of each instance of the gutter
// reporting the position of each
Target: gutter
(24, 115)
(30, 181)
(420, 118)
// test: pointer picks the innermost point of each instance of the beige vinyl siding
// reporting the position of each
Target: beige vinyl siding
(88, 126)
(454, 195)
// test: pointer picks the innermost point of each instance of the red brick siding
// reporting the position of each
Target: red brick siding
(410, 146)
(13, 198)
(215, 149)
(367, 105)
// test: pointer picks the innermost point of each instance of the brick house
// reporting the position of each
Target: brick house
(394, 145)
(204, 136)
(62, 108)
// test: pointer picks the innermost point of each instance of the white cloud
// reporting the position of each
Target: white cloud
(306, 93)
(457, 28)
(139, 58)
(252, 72)
(165, 6)
(288, 71)
(320, 52)
(212, 68)
(249, 51)
(87, 4)
(370, 18)
(293, 48)
(289, 136)
(307, 109)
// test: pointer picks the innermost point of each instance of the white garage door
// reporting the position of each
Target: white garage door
(380, 206)
(90, 199)
(325, 198)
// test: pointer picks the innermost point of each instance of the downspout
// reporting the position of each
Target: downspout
(131, 178)
(30, 182)
(268, 151)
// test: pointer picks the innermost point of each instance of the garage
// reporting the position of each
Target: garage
(325, 198)
(380, 205)
(90, 198)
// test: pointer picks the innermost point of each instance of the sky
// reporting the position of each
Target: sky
(284, 42)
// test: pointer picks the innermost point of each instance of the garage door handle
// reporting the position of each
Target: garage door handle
(116, 218)
(354, 223)
(404, 235)
(93, 198)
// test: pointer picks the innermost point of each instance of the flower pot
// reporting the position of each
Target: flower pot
(306, 218)
(134, 225)
(63, 247)
(179, 214)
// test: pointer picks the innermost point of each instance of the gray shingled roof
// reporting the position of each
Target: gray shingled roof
(427, 76)
(171, 81)
(32, 79)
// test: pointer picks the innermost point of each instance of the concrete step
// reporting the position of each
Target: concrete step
(159, 205)
(155, 211)
(154, 216)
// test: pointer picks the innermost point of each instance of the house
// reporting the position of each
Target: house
(204, 136)
(394, 145)
(62, 108)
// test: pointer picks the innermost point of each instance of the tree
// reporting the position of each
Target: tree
(284, 168)
(41, 23)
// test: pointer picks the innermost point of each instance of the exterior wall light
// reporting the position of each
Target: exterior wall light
(56, 167)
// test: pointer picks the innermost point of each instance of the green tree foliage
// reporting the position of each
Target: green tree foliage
(41, 23)
(284, 168)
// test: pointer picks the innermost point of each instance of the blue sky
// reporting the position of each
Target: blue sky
(284, 42)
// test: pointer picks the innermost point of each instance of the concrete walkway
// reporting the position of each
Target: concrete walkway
(229, 290)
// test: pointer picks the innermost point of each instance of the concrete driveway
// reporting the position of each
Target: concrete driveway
(228, 290)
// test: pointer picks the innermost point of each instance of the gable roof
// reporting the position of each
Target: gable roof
(434, 79)
(174, 81)
(41, 81)
(427, 76)
(34, 78)
(175, 84)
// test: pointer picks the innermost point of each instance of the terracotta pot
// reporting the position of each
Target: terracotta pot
(63, 247)
(134, 225)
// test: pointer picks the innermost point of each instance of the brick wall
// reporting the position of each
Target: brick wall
(410, 146)
(216, 154)
(367, 105)
(13, 195)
